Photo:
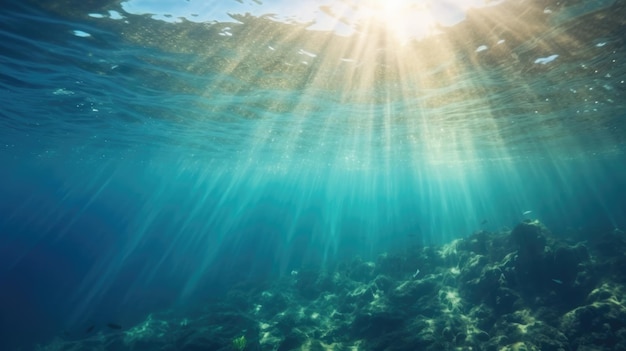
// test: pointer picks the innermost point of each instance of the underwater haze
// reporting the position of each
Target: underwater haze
(169, 158)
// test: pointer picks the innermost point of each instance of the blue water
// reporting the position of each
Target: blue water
(148, 165)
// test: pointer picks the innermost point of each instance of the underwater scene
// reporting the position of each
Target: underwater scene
(313, 175)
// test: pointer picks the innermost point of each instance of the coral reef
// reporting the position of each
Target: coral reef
(523, 289)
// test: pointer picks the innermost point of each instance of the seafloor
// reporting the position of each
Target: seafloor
(519, 289)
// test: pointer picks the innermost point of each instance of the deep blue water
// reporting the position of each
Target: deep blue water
(137, 175)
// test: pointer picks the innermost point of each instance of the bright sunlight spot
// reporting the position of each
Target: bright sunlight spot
(403, 19)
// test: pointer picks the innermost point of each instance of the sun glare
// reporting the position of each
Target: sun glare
(402, 20)
(405, 20)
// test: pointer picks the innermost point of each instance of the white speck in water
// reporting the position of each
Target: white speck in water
(80, 33)
(304, 52)
(601, 44)
(546, 60)
(481, 48)
(96, 15)
(62, 91)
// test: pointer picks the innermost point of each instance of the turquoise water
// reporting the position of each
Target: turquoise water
(150, 161)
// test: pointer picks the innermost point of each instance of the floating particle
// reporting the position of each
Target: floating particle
(80, 33)
(482, 48)
(546, 60)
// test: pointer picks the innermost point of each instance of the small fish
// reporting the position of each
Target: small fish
(416, 273)
(114, 326)
(90, 329)
(484, 222)
(557, 281)
(527, 213)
